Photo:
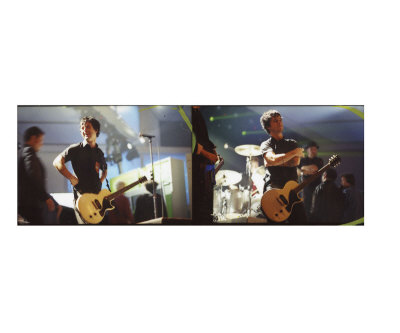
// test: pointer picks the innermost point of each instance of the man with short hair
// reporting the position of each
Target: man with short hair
(32, 195)
(281, 157)
(309, 166)
(328, 202)
(87, 160)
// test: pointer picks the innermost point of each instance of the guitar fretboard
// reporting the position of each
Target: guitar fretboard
(112, 196)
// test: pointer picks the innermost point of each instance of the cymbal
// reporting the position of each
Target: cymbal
(227, 177)
(248, 150)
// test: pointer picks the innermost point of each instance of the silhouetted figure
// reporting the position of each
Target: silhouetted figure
(353, 199)
(204, 158)
(33, 199)
(144, 207)
(308, 166)
(328, 202)
(122, 213)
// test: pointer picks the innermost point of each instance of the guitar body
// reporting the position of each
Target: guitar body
(277, 204)
(92, 207)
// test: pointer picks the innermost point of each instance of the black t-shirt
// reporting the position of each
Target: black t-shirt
(86, 163)
(277, 176)
(309, 161)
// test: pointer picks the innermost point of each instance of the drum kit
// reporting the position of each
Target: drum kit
(233, 201)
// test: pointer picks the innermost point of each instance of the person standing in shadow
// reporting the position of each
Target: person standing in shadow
(353, 199)
(122, 213)
(144, 207)
(33, 198)
(328, 201)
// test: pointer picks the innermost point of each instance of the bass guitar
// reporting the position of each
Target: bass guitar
(92, 207)
(277, 204)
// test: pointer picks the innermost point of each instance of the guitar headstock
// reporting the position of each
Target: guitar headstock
(142, 179)
(334, 160)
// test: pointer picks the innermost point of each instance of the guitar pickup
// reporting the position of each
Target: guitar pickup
(96, 204)
(282, 197)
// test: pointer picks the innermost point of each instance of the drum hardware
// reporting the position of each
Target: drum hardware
(231, 200)
(249, 151)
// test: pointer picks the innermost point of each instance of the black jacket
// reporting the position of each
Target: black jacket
(327, 204)
(31, 179)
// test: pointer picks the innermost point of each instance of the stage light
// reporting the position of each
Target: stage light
(129, 145)
(142, 139)
(211, 118)
(226, 146)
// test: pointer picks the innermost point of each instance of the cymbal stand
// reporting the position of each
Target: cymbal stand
(248, 172)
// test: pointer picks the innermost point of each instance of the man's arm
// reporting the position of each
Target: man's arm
(294, 162)
(59, 164)
(272, 159)
(103, 175)
(210, 156)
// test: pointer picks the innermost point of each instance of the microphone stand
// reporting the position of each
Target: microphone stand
(152, 178)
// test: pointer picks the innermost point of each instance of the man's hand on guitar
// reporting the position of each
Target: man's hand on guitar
(213, 158)
(74, 180)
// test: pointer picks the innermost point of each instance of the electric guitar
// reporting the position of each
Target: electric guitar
(92, 207)
(277, 204)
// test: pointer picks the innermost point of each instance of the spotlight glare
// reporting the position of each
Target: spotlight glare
(129, 145)
(142, 139)
(226, 146)
(211, 118)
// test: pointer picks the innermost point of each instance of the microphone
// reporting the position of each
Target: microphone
(146, 135)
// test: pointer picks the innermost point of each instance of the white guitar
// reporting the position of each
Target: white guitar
(92, 207)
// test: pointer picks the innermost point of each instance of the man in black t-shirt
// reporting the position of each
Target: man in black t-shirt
(308, 166)
(87, 160)
(281, 157)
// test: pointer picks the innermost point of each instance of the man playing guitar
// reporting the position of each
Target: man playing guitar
(87, 161)
(281, 157)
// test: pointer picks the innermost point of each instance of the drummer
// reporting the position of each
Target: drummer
(281, 157)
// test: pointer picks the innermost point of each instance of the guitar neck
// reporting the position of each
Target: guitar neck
(220, 164)
(311, 178)
(112, 196)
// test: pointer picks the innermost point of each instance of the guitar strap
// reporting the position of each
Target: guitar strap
(108, 185)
